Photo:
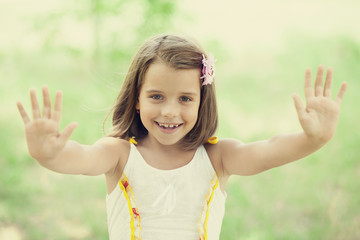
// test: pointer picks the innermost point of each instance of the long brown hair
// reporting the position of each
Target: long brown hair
(179, 53)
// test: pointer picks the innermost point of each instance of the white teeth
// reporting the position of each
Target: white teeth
(168, 125)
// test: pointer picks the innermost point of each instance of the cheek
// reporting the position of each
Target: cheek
(192, 115)
(146, 112)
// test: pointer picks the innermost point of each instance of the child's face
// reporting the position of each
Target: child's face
(169, 102)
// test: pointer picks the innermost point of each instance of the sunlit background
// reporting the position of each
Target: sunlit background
(262, 48)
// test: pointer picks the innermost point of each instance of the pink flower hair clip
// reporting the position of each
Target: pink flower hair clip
(208, 69)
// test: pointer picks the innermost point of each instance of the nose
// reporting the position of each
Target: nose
(170, 109)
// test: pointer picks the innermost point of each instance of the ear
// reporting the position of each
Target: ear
(137, 106)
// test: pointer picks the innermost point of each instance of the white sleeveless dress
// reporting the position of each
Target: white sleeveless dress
(179, 204)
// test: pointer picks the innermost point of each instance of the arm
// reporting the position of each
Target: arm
(318, 120)
(53, 149)
(99, 158)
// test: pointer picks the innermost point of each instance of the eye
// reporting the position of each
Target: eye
(185, 99)
(156, 97)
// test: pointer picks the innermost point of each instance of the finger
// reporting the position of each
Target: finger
(299, 106)
(341, 93)
(69, 129)
(319, 81)
(308, 88)
(34, 104)
(47, 102)
(56, 116)
(328, 83)
(23, 113)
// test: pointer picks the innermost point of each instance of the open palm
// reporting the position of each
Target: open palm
(320, 116)
(42, 133)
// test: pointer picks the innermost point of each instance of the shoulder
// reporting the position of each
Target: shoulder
(228, 145)
(237, 158)
(112, 144)
(114, 149)
(223, 149)
(217, 153)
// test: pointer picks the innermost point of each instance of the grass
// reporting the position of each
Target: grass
(315, 198)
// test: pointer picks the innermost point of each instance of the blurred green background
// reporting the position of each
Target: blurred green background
(262, 48)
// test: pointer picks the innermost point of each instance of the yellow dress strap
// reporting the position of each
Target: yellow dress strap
(204, 217)
(135, 226)
(132, 140)
(213, 140)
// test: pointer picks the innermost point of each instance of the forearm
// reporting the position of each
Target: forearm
(285, 148)
(71, 160)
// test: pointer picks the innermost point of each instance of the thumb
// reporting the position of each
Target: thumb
(69, 129)
(299, 106)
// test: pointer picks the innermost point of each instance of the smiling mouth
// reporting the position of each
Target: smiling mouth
(168, 125)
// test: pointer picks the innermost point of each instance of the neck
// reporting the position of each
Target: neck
(151, 143)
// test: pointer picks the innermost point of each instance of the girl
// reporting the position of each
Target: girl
(165, 172)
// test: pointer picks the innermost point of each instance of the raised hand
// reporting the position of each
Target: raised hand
(320, 117)
(42, 133)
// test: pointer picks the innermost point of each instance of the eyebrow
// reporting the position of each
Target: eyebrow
(182, 93)
(153, 91)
